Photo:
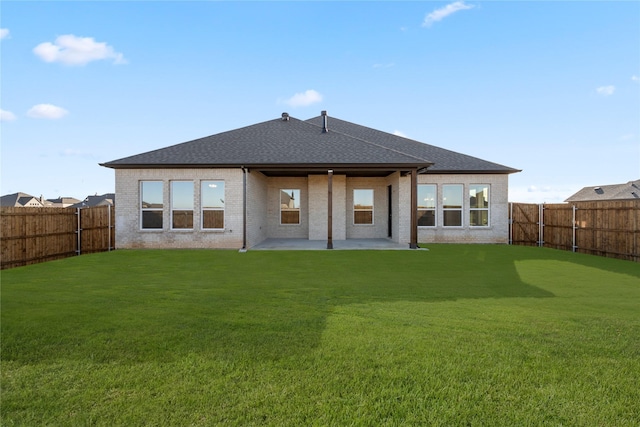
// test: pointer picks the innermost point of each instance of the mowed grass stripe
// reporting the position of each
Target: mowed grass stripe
(457, 335)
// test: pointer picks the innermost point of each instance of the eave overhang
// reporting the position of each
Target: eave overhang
(353, 169)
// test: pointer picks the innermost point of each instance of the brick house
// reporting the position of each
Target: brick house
(281, 178)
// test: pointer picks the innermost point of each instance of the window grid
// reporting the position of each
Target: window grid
(427, 196)
(479, 205)
(182, 205)
(452, 205)
(151, 205)
(289, 206)
(212, 197)
(363, 207)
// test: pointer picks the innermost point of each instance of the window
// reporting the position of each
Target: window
(181, 205)
(452, 205)
(289, 206)
(151, 205)
(479, 205)
(426, 205)
(363, 206)
(212, 203)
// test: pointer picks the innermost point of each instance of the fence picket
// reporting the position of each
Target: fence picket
(607, 229)
(32, 235)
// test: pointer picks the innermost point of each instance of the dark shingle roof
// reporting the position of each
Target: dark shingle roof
(444, 161)
(628, 191)
(292, 142)
(18, 199)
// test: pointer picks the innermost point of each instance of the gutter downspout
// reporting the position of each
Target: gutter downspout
(244, 209)
(330, 210)
(413, 244)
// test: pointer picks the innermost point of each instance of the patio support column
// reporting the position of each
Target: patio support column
(413, 244)
(330, 211)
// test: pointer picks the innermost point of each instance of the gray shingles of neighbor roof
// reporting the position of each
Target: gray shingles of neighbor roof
(296, 143)
(444, 161)
(627, 191)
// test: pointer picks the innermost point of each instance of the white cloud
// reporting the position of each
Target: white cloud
(399, 133)
(635, 78)
(72, 50)
(304, 99)
(443, 12)
(47, 111)
(388, 65)
(606, 90)
(7, 116)
(4, 33)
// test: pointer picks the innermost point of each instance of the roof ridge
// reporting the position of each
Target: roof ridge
(421, 143)
(373, 143)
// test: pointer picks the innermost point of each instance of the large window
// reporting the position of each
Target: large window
(479, 205)
(212, 203)
(363, 206)
(151, 205)
(181, 205)
(289, 206)
(452, 205)
(426, 205)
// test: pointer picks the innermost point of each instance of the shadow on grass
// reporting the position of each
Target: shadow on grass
(135, 306)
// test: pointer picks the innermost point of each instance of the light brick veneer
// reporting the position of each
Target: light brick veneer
(129, 233)
(498, 230)
(263, 209)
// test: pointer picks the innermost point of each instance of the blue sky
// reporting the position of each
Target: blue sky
(552, 88)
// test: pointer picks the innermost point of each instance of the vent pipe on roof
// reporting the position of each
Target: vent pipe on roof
(285, 117)
(325, 119)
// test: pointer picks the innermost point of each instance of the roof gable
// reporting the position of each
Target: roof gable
(290, 142)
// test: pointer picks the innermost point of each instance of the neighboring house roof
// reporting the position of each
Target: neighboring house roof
(97, 200)
(289, 143)
(63, 201)
(20, 200)
(627, 191)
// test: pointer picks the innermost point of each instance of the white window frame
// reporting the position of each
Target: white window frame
(487, 209)
(172, 209)
(142, 209)
(435, 206)
(460, 209)
(373, 207)
(203, 208)
(285, 190)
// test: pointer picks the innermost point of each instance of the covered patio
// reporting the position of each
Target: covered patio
(273, 244)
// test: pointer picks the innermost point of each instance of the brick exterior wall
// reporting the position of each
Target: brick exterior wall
(263, 209)
(256, 207)
(498, 230)
(319, 202)
(130, 235)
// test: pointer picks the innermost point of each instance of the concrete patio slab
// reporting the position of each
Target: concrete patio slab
(318, 245)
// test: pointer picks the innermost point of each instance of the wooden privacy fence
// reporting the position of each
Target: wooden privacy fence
(32, 235)
(608, 229)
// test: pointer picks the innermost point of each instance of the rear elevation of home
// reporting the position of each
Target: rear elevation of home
(317, 179)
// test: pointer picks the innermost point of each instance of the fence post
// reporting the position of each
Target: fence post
(575, 226)
(109, 228)
(541, 225)
(78, 230)
(511, 223)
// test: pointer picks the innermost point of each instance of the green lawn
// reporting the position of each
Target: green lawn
(460, 335)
